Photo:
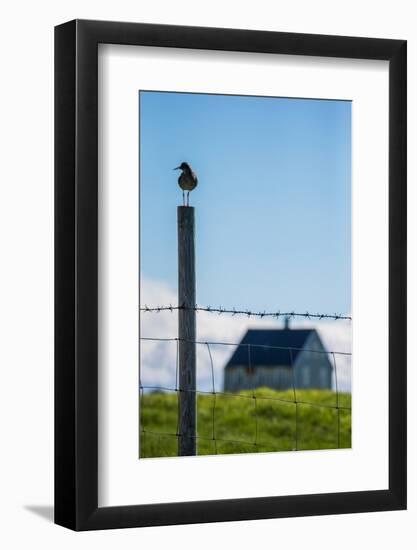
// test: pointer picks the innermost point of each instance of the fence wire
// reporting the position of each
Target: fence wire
(252, 395)
(248, 313)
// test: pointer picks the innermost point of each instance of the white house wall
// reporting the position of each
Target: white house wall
(313, 370)
(240, 378)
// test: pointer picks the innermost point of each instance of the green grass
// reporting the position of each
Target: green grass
(272, 421)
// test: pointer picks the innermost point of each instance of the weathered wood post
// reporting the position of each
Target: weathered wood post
(187, 444)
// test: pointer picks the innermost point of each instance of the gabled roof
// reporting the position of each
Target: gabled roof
(282, 339)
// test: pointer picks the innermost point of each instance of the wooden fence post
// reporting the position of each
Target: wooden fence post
(187, 444)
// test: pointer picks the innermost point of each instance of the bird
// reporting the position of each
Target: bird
(187, 180)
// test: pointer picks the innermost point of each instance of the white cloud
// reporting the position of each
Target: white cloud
(158, 358)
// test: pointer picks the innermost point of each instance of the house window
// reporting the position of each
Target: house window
(305, 377)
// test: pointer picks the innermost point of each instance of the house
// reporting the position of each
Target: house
(279, 359)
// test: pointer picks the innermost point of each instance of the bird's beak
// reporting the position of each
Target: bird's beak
(177, 168)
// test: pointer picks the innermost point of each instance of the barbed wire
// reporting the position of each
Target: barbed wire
(252, 396)
(248, 313)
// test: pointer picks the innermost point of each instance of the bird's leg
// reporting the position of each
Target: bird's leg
(188, 198)
(183, 199)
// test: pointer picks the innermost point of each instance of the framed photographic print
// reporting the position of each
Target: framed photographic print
(230, 245)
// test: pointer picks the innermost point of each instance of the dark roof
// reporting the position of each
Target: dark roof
(266, 356)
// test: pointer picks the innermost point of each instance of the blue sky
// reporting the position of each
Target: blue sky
(273, 204)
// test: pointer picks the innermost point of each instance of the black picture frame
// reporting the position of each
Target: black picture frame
(76, 272)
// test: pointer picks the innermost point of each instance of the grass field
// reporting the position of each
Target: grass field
(268, 421)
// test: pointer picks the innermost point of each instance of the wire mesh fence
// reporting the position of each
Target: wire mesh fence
(252, 419)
